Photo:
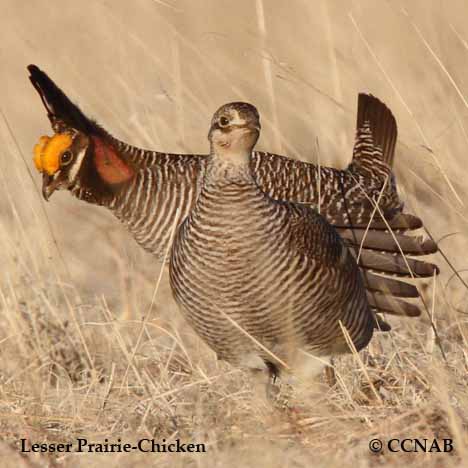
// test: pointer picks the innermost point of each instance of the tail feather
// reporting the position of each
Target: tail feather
(390, 286)
(375, 115)
(400, 222)
(392, 306)
(381, 324)
(388, 242)
(395, 264)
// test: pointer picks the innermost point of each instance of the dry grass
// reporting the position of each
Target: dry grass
(87, 352)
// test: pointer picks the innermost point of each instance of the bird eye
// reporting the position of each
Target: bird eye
(223, 121)
(66, 158)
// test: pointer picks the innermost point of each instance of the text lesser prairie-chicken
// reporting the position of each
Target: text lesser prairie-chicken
(266, 283)
(146, 189)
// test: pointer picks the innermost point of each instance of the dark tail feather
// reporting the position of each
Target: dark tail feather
(390, 286)
(381, 324)
(383, 241)
(60, 110)
(391, 306)
(400, 222)
(395, 264)
(382, 125)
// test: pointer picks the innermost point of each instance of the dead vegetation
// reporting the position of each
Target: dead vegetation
(92, 344)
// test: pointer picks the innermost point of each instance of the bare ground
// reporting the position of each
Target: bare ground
(92, 344)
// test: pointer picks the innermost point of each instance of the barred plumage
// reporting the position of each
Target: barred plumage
(278, 270)
(145, 189)
(153, 200)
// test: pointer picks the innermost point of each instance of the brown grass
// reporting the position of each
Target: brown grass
(87, 351)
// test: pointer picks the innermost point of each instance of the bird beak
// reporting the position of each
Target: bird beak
(49, 185)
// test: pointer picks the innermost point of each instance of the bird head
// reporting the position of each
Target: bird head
(235, 128)
(59, 158)
(81, 154)
(73, 160)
